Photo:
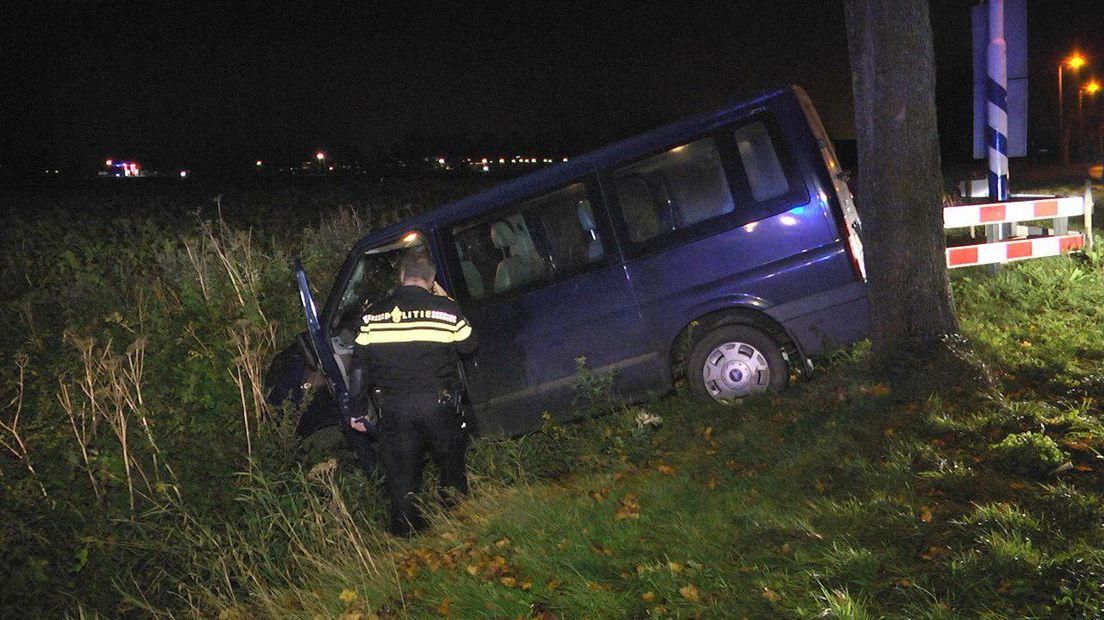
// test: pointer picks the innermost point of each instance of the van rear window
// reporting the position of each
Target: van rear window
(673, 190)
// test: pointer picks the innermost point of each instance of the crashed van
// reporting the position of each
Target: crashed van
(723, 250)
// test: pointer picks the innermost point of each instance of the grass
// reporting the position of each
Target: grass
(837, 498)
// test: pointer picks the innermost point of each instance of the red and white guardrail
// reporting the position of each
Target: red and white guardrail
(1014, 211)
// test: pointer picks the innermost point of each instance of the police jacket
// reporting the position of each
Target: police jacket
(410, 341)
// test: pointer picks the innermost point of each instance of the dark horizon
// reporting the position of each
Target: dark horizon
(187, 86)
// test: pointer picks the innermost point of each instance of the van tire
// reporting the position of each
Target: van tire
(742, 360)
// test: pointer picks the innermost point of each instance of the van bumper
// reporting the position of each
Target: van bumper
(826, 321)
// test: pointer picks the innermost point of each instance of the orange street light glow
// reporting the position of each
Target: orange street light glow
(1076, 61)
(1092, 87)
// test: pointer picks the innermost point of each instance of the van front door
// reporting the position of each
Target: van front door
(542, 290)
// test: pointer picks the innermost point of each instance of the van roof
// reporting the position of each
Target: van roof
(562, 173)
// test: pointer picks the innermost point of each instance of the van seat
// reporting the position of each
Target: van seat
(590, 230)
(473, 279)
(515, 268)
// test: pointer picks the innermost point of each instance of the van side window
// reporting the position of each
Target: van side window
(673, 190)
(761, 164)
(538, 240)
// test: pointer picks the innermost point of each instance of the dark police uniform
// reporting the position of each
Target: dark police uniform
(409, 343)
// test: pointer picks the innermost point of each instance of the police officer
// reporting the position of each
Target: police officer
(409, 343)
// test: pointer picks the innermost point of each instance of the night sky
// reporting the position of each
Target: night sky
(188, 84)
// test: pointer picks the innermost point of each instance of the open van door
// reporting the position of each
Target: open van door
(321, 347)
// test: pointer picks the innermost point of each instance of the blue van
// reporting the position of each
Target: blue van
(724, 248)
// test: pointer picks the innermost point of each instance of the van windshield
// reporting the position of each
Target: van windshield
(376, 273)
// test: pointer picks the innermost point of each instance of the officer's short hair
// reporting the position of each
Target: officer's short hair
(418, 264)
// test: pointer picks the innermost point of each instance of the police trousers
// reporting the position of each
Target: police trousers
(411, 425)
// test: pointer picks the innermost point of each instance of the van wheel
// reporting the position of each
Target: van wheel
(734, 361)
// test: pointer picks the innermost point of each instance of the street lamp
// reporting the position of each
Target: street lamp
(1091, 87)
(320, 156)
(1074, 62)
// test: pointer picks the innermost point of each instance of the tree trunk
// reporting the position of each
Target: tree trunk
(900, 187)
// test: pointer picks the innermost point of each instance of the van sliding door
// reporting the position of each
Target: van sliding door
(540, 285)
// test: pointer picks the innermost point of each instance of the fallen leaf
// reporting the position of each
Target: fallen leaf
(1004, 586)
(1082, 468)
(627, 508)
(785, 550)
(472, 569)
(690, 592)
(1017, 485)
(820, 486)
(707, 433)
(1025, 344)
(925, 514)
(600, 495)
(444, 608)
(509, 582)
(552, 585)
(1080, 446)
(527, 585)
(648, 596)
(348, 596)
(934, 552)
(771, 595)
(665, 469)
(903, 582)
(676, 567)
(505, 542)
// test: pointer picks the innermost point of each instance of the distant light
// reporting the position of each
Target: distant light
(1076, 61)
(259, 163)
(331, 167)
(410, 237)
(320, 156)
(441, 160)
(109, 162)
(501, 160)
(565, 159)
(486, 168)
(1092, 87)
(183, 173)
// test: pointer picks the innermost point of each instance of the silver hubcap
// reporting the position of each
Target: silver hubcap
(734, 370)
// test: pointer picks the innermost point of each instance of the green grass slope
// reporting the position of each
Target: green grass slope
(139, 480)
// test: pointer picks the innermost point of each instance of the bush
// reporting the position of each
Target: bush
(1027, 454)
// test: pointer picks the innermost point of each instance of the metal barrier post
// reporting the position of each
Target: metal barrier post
(1089, 236)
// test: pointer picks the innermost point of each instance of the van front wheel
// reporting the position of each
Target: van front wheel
(734, 361)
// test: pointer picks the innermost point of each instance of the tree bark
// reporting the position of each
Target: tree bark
(899, 191)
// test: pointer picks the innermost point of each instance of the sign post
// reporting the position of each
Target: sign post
(1000, 95)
